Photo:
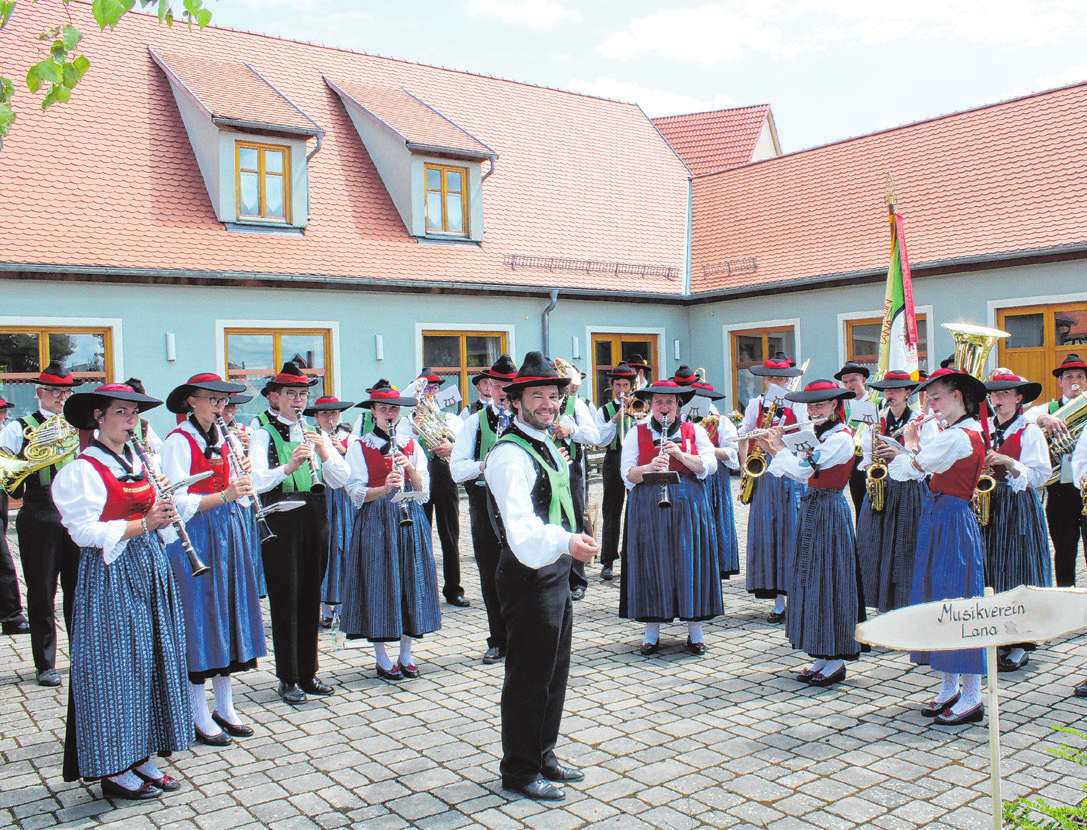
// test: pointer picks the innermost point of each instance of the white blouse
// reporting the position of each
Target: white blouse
(359, 479)
(334, 472)
(703, 449)
(1033, 464)
(938, 454)
(835, 447)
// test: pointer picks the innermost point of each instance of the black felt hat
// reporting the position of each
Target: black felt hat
(1027, 388)
(962, 380)
(894, 379)
(178, 399)
(431, 377)
(290, 375)
(385, 392)
(622, 371)
(821, 390)
(55, 376)
(779, 366)
(851, 368)
(79, 408)
(1072, 361)
(666, 387)
(327, 403)
(636, 361)
(706, 390)
(237, 400)
(503, 369)
(536, 370)
(685, 375)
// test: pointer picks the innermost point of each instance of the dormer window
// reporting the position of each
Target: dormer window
(263, 182)
(446, 199)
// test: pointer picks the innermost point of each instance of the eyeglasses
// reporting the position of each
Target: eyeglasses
(215, 401)
(59, 394)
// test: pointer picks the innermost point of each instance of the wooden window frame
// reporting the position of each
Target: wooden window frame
(765, 331)
(262, 175)
(445, 169)
(43, 333)
(868, 321)
(1052, 354)
(617, 339)
(463, 371)
(277, 354)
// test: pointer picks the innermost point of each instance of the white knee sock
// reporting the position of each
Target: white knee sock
(694, 631)
(832, 666)
(818, 665)
(127, 779)
(971, 694)
(1015, 654)
(779, 604)
(405, 650)
(198, 702)
(949, 686)
(382, 658)
(652, 632)
(224, 698)
(149, 769)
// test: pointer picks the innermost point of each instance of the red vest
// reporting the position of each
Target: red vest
(647, 452)
(962, 478)
(126, 500)
(219, 479)
(379, 465)
(836, 477)
(1012, 447)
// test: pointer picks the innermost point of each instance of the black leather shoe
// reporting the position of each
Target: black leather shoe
(820, 679)
(560, 774)
(577, 594)
(495, 654)
(647, 649)
(17, 627)
(409, 670)
(291, 693)
(111, 789)
(326, 622)
(777, 616)
(932, 708)
(168, 784)
(394, 674)
(1080, 690)
(697, 649)
(805, 676)
(974, 715)
(50, 677)
(313, 686)
(539, 790)
(236, 730)
(459, 602)
(218, 739)
(606, 573)
(1004, 664)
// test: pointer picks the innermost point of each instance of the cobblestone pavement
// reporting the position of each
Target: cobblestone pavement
(671, 741)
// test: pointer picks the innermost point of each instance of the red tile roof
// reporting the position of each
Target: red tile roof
(709, 142)
(995, 181)
(110, 180)
(411, 118)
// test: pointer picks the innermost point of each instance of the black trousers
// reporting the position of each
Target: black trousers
(577, 491)
(611, 508)
(487, 549)
(858, 486)
(539, 619)
(444, 507)
(294, 567)
(47, 553)
(1063, 508)
(11, 607)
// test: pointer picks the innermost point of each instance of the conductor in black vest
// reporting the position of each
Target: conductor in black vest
(530, 481)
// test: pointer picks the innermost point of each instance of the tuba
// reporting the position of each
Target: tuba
(53, 442)
(1074, 414)
(972, 347)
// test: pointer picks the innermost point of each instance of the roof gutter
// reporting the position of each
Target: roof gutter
(546, 319)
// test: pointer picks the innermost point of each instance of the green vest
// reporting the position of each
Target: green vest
(300, 480)
(562, 500)
(487, 436)
(610, 408)
(367, 422)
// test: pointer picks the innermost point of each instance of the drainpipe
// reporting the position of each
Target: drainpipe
(547, 322)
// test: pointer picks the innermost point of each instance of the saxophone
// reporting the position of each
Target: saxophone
(876, 482)
(983, 491)
(755, 463)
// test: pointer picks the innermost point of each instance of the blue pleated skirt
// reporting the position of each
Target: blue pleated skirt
(886, 543)
(824, 601)
(949, 564)
(672, 568)
(724, 518)
(128, 659)
(341, 517)
(771, 534)
(225, 631)
(1016, 540)
(391, 582)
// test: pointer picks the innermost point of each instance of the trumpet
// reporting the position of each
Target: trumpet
(634, 408)
(316, 486)
(154, 475)
(762, 432)
(235, 454)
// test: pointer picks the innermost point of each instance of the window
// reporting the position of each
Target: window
(461, 354)
(610, 349)
(254, 355)
(86, 352)
(752, 348)
(1041, 337)
(862, 342)
(446, 199)
(262, 177)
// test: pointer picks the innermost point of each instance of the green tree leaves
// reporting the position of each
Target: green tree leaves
(60, 72)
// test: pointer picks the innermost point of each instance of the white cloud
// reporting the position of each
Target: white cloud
(655, 102)
(724, 31)
(539, 14)
(1072, 75)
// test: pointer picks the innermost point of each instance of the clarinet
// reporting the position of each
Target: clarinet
(665, 497)
(316, 486)
(235, 453)
(154, 475)
(405, 513)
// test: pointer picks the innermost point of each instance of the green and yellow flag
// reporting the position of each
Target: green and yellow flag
(898, 339)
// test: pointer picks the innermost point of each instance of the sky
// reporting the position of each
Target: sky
(830, 69)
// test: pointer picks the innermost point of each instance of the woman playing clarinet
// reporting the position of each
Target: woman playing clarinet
(127, 698)
(225, 634)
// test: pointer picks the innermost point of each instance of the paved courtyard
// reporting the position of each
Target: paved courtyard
(671, 741)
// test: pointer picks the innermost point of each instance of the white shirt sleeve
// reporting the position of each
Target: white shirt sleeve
(1079, 459)
(1033, 464)
(629, 456)
(605, 429)
(726, 440)
(936, 456)
(835, 448)
(11, 437)
(1036, 411)
(264, 479)
(462, 466)
(80, 494)
(704, 450)
(510, 476)
(358, 480)
(751, 414)
(419, 461)
(175, 459)
(154, 443)
(334, 471)
(582, 423)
